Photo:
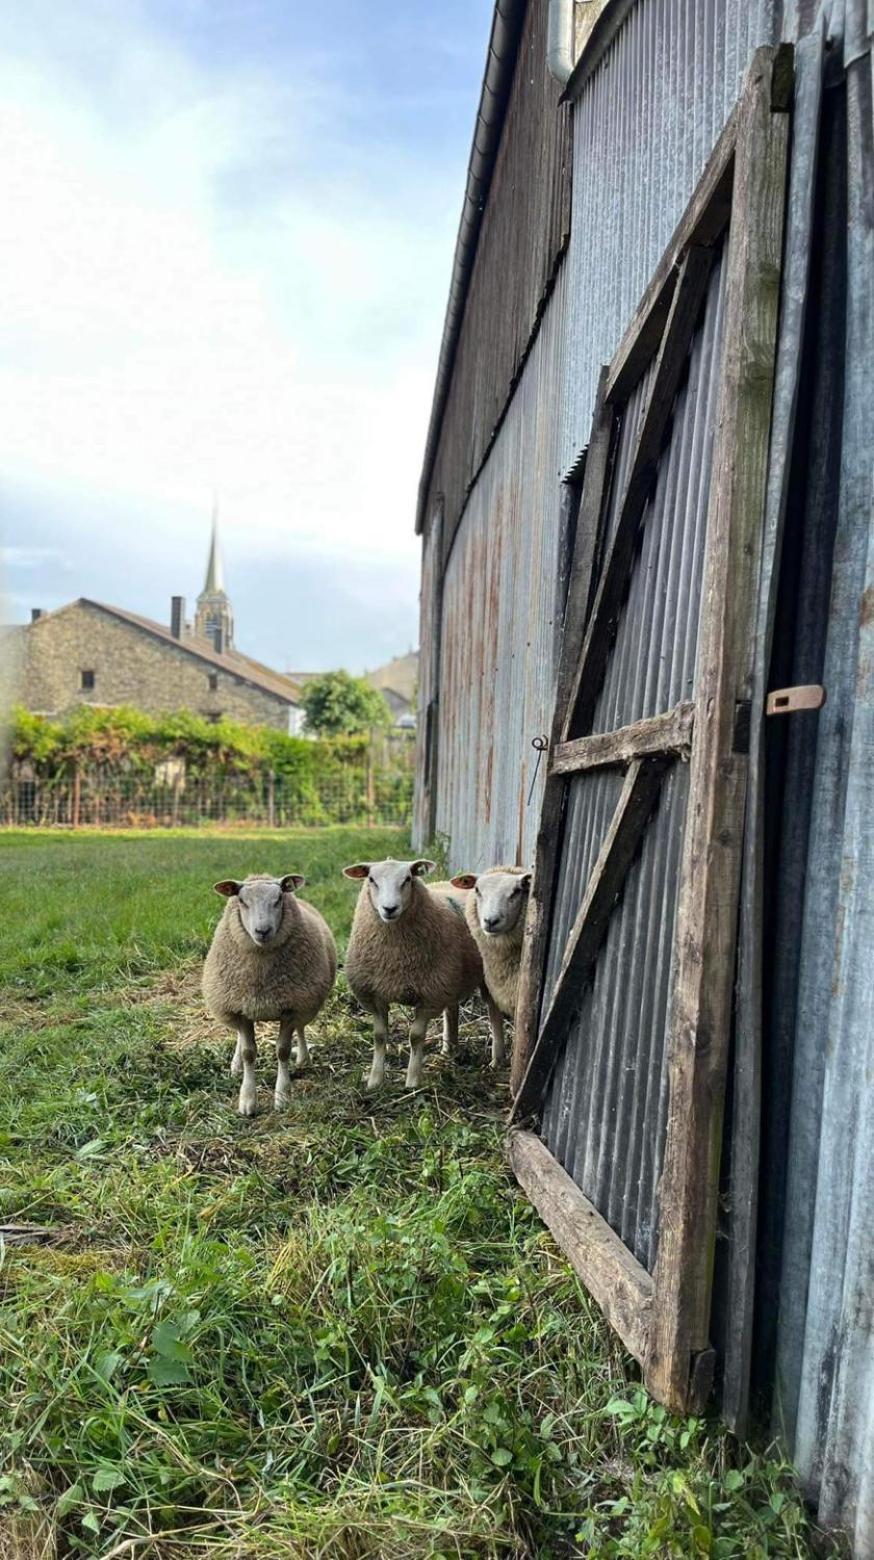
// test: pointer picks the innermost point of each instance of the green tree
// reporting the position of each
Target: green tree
(337, 704)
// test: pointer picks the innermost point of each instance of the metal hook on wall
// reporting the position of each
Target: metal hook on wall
(539, 744)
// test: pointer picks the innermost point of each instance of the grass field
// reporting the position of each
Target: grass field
(339, 1331)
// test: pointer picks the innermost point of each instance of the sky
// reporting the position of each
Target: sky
(228, 235)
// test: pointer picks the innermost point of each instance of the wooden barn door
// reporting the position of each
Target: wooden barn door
(625, 1002)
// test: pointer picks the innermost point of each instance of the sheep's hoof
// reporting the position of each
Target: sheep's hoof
(371, 1083)
(412, 1083)
(282, 1099)
(248, 1106)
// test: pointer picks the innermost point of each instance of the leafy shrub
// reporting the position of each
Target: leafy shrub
(230, 770)
(337, 704)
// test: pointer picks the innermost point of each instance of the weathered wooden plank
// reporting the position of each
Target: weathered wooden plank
(710, 869)
(672, 355)
(670, 733)
(595, 481)
(537, 928)
(702, 224)
(614, 1278)
(636, 800)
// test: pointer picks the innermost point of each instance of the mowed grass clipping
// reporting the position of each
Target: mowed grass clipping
(338, 1331)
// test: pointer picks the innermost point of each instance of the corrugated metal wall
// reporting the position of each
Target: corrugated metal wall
(644, 126)
(821, 1019)
(500, 600)
(428, 692)
(641, 138)
(524, 229)
(605, 1110)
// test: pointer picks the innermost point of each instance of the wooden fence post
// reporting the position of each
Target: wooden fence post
(77, 798)
(371, 788)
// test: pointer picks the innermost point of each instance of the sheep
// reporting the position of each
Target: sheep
(272, 957)
(496, 913)
(409, 944)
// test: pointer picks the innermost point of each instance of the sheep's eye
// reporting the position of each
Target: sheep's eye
(408, 879)
(477, 892)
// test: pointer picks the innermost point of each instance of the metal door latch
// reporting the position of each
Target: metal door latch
(785, 701)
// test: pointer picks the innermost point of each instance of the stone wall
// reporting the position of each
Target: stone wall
(12, 648)
(132, 667)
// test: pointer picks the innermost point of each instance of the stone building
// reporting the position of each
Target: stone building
(91, 653)
(397, 681)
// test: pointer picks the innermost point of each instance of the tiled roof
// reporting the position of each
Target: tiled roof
(231, 662)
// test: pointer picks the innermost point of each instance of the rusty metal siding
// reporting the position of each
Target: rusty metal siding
(643, 128)
(605, 1110)
(500, 605)
(645, 123)
(429, 678)
(524, 230)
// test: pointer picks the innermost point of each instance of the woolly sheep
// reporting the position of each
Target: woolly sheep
(496, 911)
(409, 944)
(272, 957)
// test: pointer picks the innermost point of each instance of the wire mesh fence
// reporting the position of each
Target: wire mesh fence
(372, 788)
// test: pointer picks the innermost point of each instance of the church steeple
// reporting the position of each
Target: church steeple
(215, 584)
(214, 619)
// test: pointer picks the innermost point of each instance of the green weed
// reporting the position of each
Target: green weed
(338, 1331)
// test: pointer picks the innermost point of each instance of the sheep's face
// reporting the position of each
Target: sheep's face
(261, 902)
(389, 884)
(501, 899)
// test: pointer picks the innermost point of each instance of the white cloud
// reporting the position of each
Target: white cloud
(32, 557)
(170, 325)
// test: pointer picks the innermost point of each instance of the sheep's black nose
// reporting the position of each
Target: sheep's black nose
(390, 911)
(262, 933)
(491, 922)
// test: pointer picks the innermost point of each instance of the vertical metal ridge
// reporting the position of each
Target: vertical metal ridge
(644, 125)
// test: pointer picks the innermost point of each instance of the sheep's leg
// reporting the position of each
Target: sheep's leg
(496, 1025)
(282, 1092)
(237, 1059)
(246, 1045)
(450, 1029)
(419, 1026)
(303, 1052)
(376, 1075)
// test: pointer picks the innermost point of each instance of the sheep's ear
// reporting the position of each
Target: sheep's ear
(464, 880)
(525, 881)
(228, 888)
(291, 882)
(419, 868)
(360, 870)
